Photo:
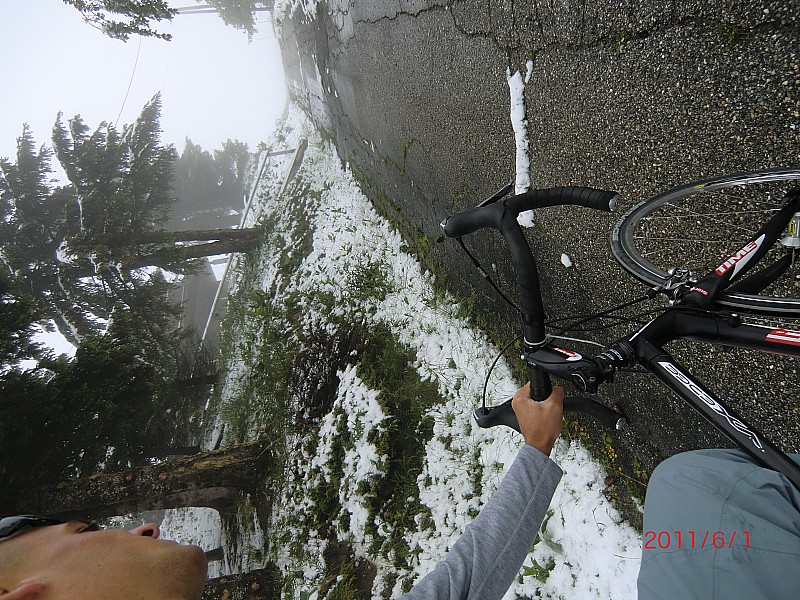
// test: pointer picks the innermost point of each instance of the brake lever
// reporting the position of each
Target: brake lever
(497, 195)
(502, 414)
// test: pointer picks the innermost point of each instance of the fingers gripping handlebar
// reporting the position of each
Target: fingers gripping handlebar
(503, 414)
(503, 217)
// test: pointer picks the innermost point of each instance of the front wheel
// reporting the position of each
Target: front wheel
(697, 226)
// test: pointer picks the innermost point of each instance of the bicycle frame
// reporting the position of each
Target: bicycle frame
(704, 327)
(692, 318)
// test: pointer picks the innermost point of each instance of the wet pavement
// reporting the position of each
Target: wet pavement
(632, 96)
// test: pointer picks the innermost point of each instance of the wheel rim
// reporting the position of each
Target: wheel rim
(699, 225)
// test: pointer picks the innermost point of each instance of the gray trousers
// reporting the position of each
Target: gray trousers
(718, 526)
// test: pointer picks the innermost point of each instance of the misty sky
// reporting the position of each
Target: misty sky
(215, 85)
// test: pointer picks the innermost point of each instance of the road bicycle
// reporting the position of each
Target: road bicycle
(693, 245)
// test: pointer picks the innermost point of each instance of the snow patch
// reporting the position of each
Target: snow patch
(593, 554)
(516, 85)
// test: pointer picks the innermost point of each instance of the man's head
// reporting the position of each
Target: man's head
(75, 560)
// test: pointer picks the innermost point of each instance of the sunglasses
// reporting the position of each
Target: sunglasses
(11, 526)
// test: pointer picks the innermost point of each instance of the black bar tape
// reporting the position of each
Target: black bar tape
(471, 220)
(503, 414)
(573, 195)
(530, 295)
(607, 417)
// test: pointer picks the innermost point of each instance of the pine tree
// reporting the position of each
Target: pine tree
(87, 249)
(209, 188)
(18, 320)
(124, 187)
(119, 19)
(239, 13)
(82, 255)
(35, 217)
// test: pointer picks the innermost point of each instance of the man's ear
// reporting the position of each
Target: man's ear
(25, 591)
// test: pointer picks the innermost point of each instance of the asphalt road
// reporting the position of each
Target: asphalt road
(632, 96)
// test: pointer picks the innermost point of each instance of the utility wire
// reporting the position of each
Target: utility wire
(130, 83)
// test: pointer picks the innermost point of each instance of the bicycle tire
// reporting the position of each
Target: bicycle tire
(661, 233)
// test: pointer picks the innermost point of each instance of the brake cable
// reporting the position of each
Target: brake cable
(601, 314)
(494, 363)
(486, 275)
(570, 327)
(489, 280)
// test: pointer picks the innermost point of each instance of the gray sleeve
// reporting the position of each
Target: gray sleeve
(483, 562)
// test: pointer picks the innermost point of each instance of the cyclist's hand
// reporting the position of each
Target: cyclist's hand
(539, 422)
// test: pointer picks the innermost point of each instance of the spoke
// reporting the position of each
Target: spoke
(750, 231)
(686, 239)
(696, 214)
(661, 250)
(726, 194)
(654, 252)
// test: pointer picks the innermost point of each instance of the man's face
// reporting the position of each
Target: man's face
(125, 565)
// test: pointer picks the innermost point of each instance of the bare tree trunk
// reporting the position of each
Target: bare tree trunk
(261, 584)
(192, 235)
(174, 451)
(211, 479)
(170, 237)
(227, 246)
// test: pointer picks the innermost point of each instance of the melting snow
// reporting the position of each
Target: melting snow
(516, 85)
(590, 552)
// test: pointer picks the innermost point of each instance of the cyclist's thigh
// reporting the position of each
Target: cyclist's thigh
(731, 526)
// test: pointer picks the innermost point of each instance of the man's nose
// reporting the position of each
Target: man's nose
(148, 529)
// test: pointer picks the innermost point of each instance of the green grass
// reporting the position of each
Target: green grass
(301, 202)
(626, 482)
(384, 365)
(275, 350)
(259, 405)
(733, 34)
(368, 281)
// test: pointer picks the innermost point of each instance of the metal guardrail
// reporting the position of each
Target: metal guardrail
(294, 166)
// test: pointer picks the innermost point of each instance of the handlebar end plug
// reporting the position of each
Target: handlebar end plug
(442, 226)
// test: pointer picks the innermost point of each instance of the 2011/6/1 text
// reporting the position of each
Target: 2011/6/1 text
(693, 539)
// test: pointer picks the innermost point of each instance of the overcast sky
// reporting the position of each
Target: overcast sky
(214, 84)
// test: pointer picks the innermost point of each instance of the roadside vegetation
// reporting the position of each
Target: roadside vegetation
(362, 371)
(286, 349)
